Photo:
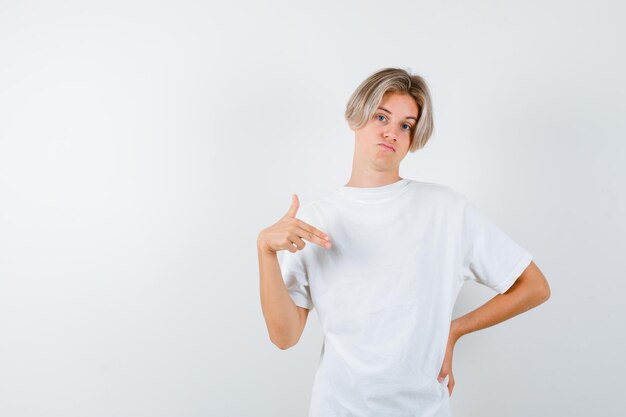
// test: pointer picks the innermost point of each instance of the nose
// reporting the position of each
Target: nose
(390, 134)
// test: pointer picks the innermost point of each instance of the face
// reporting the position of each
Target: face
(384, 140)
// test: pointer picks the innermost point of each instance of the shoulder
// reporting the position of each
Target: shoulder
(309, 211)
(440, 193)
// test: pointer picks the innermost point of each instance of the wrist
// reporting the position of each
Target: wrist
(264, 249)
(455, 330)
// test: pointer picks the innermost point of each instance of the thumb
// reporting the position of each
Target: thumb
(295, 205)
(442, 374)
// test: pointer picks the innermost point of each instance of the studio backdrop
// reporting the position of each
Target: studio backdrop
(144, 145)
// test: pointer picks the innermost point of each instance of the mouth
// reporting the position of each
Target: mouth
(391, 148)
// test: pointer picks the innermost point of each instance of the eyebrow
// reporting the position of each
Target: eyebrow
(408, 117)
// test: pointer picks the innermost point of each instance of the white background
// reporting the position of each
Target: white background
(143, 146)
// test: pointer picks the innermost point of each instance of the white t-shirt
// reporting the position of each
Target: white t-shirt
(385, 290)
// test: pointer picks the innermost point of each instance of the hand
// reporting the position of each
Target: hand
(290, 231)
(446, 367)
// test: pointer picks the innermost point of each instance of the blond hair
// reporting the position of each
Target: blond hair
(367, 97)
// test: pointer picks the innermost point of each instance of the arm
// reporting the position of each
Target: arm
(528, 291)
(285, 321)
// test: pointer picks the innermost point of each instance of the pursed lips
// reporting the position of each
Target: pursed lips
(387, 146)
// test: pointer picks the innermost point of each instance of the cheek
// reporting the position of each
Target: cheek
(406, 141)
(373, 132)
(372, 127)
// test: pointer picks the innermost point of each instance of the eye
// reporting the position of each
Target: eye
(380, 115)
(408, 126)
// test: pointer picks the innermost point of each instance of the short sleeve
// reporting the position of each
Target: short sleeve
(490, 256)
(294, 272)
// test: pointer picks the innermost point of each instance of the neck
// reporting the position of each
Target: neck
(368, 178)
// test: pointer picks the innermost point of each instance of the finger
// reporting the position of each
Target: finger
(290, 247)
(317, 232)
(451, 383)
(309, 233)
(295, 205)
(442, 376)
(295, 240)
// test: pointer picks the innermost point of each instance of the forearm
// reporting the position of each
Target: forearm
(280, 312)
(518, 299)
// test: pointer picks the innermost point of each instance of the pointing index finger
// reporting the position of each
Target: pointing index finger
(314, 234)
